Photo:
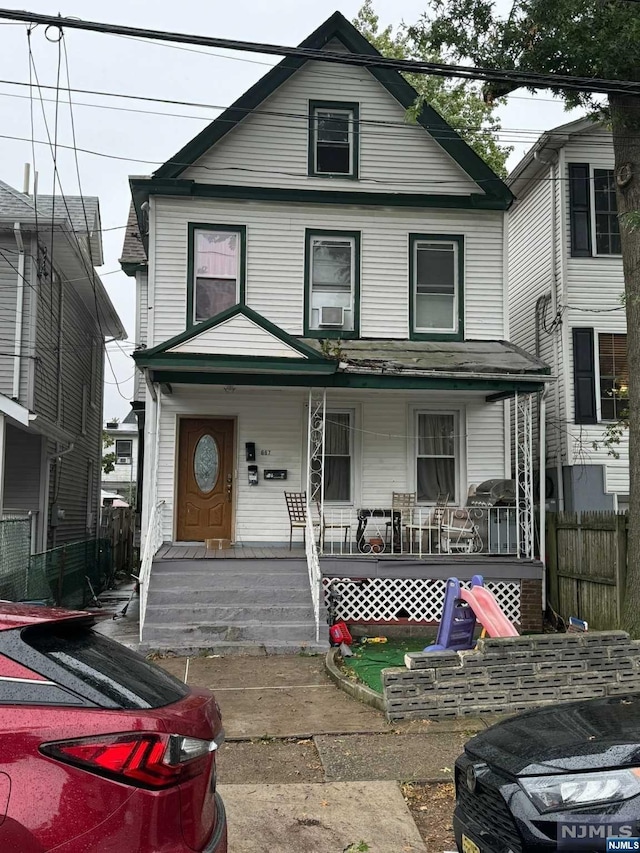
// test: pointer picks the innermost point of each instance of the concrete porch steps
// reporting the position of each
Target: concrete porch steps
(231, 605)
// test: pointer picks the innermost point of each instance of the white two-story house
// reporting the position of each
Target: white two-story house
(323, 310)
(566, 305)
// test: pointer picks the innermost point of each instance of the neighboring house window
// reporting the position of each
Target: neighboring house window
(607, 228)
(332, 266)
(338, 456)
(614, 376)
(436, 270)
(436, 456)
(216, 270)
(123, 451)
(333, 139)
(593, 211)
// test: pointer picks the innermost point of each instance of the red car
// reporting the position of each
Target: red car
(100, 750)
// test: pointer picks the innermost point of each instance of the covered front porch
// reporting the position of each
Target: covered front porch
(419, 452)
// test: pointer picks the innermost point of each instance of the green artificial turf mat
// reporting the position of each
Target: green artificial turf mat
(369, 659)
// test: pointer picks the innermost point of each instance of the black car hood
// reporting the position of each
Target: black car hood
(592, 735)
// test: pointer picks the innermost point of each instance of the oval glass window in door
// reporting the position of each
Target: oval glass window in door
(206, 463)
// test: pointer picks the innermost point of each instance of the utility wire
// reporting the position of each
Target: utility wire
(511, 76)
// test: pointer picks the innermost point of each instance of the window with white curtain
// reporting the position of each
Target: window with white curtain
(437, 450)
(216, 271)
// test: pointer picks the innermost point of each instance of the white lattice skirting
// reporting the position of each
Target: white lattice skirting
(417, 600)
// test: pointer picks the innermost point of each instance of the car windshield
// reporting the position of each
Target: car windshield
(120, 675)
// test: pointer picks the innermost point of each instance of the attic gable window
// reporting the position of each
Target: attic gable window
(216, 270)
(333, 139)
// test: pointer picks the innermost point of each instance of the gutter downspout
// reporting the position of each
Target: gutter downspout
(553, 175)
(17, 347)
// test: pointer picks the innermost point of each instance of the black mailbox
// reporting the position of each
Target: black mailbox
(275, 474)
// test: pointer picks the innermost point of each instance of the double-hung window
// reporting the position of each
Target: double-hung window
(333, 139)
(593, 211)
(436, 306)
(436, 456)
(217, 262)
(124, 451)
(332, 283)
(338, 456)
(614, 376)
(607, 225)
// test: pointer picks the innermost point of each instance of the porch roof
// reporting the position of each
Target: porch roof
(242, 347)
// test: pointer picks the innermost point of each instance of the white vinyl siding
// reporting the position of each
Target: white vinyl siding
(123, 472)
(275, 261)
(383, 447)
(272, 150)
(142, 317)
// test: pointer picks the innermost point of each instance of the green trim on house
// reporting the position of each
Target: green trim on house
(142, 188)
(308, 353)
(347, 380)
(249, 363)
(354, 107)
(130, 268)
(241, 289)
(331, 333)
(458, 334)
(338, 27)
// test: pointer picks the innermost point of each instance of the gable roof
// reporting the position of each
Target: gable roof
(338, 27)
(271, 347)
(550, 140)
(134, 255)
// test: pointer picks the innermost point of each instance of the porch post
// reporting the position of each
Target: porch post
(150, 466)
(3, 444)
(315, 451)
(524, 473)
(542, 412)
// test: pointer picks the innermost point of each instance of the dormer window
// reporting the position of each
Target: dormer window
(333, 139)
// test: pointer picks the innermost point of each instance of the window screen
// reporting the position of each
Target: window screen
(216, 271)
(435, 286)
(333, 141)
(614, 376)
(606, 213)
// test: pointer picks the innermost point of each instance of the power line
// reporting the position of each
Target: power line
(520, 78)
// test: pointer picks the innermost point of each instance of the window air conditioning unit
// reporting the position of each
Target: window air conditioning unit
(331, 316)
(124, 460)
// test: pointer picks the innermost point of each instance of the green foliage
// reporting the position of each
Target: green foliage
(588, 38)
(108, 459)
(460, 103)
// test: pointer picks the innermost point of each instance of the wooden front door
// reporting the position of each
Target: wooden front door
(205, 479)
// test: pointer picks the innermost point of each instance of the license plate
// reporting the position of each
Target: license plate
(469, 846)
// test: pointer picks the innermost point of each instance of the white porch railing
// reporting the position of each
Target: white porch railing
(152, 543)
(313, 565)
(419, 532)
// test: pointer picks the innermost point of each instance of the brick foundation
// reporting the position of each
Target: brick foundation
(530, 606)
(512, 674)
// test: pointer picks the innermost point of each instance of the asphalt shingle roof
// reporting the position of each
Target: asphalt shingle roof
(132, 249)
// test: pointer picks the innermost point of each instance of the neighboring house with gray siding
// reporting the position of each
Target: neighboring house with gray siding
(338, 253)
(55, 315)
(565, 304)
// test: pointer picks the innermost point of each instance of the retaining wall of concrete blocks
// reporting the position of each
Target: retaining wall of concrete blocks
(512, 674)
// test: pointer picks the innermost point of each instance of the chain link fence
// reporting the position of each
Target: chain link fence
(67, 576)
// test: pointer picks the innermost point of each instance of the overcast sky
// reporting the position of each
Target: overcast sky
(134, 129)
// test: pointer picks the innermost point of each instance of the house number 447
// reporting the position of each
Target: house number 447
(265, 453)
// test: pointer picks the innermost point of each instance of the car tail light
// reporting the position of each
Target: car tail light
(144, 759)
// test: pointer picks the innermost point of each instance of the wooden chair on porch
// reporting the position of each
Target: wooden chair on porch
(403, 503)
(431, 524)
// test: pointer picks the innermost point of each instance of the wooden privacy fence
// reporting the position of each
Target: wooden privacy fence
(587, 565)
(117, 527)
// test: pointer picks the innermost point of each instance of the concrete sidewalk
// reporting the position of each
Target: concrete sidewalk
(307, 768)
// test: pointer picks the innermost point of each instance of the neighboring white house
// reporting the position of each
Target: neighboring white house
(565, 298)
(312, 248)
(123, 479)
